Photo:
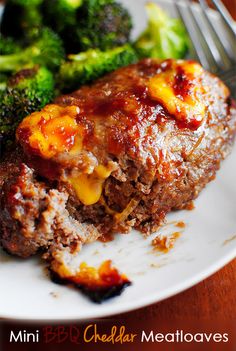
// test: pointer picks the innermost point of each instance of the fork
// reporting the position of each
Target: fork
(215, 54)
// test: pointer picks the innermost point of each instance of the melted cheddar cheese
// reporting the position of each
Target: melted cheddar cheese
(179, 89)
(52, 130)
(88, 187)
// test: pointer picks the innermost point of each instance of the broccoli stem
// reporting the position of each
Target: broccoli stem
(14, 61)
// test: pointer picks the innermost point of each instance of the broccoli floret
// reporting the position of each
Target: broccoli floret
(164, 37)
(87, 66)
(103, 24)
(8, 45)
(20, 18)
(25, 92)
(47, 50)
(60, 15)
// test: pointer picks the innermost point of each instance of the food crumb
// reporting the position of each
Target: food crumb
(157, 265)
(96, 252)
(165, 243)
(229, 240)
(180, 224)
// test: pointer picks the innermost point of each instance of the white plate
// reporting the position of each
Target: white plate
(203, 248)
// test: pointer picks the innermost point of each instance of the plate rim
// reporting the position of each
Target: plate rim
(143, 302)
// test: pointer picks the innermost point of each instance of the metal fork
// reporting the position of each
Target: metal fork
(215, 54)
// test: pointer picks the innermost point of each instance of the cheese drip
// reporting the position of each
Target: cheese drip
(88, 187)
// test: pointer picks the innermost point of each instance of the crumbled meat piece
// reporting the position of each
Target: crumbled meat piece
(165, 242)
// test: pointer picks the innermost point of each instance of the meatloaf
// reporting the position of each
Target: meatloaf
(119, 154)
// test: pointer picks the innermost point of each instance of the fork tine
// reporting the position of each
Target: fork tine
(210, 51)
(198, 49)
(225, 15)
(207, 37)
(223, 47)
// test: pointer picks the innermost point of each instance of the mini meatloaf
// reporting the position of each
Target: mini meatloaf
(121, 153)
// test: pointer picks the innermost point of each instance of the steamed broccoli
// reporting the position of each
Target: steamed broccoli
(164, 37)
(20, 18)
(87, 66)
(25, 92)
(47, 50)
